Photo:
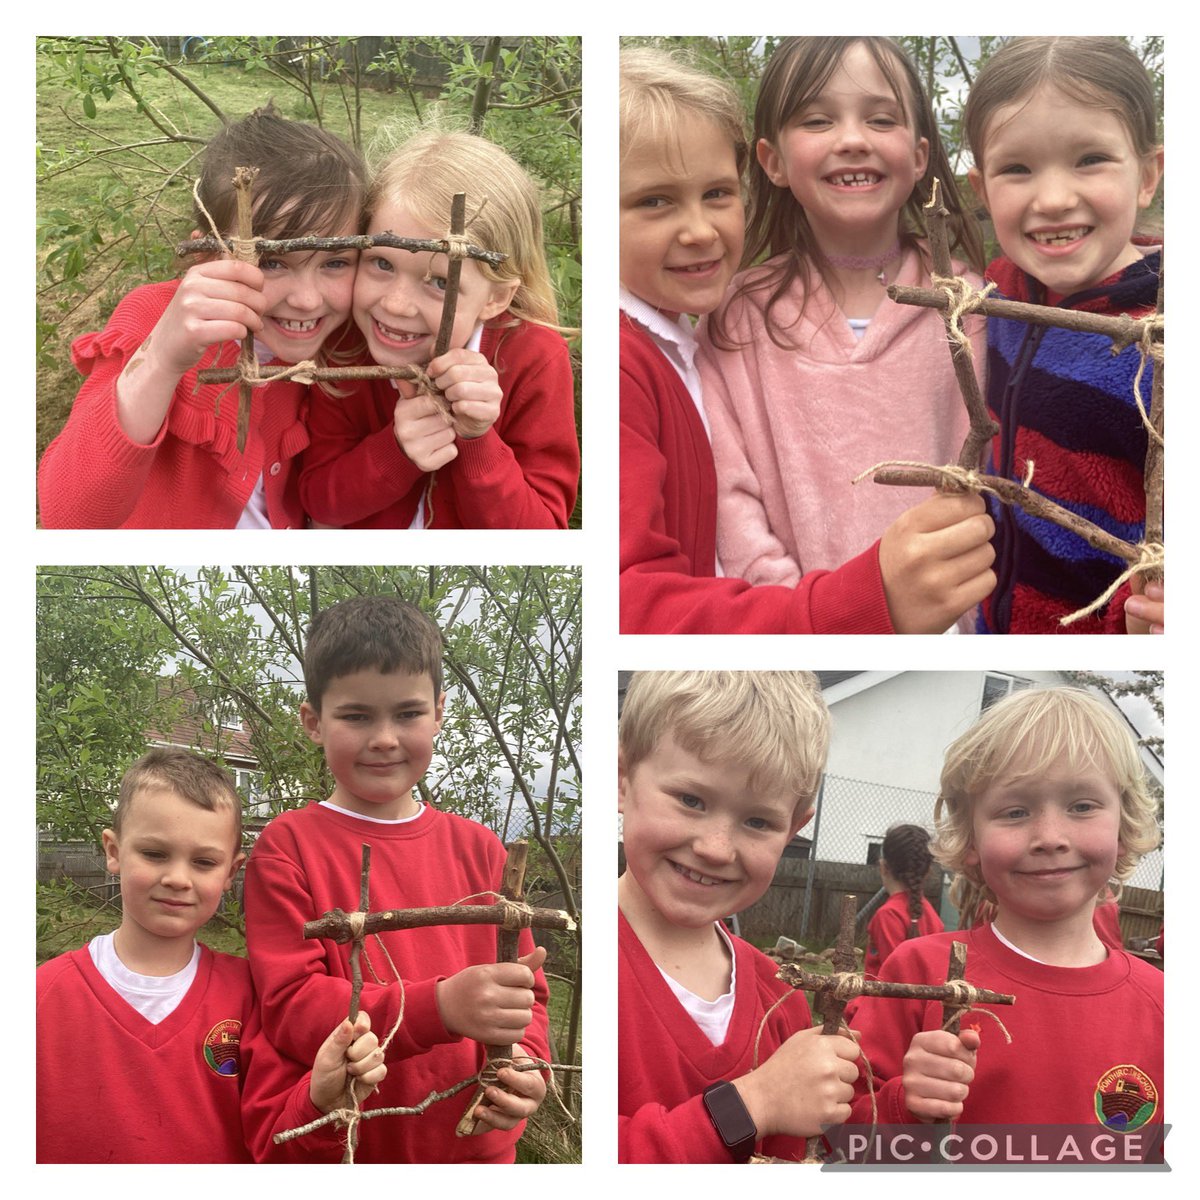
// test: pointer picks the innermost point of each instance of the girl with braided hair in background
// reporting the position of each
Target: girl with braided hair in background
(904, 862)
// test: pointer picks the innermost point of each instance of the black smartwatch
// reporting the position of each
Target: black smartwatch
(731, 1119)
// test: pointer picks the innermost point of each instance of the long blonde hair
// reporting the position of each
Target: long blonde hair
(503, 209)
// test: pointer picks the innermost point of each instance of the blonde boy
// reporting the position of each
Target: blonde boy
(148, 1042)
(373, 673)
(718, 770)
(1043, 803)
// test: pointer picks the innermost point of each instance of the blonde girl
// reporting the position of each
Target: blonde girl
(509, 458)
(146, 445)
(810, 373)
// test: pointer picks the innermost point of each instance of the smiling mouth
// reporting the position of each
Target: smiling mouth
(696, 268)
(174, 903)
(298, 327)
(1051, 873)
(854, 179)
(697, 877)
(1060, 237)
(398, 337)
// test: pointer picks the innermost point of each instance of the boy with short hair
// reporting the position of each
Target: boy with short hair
(373, 675)
(1043, 803)
(149, 1048)
(718, 770)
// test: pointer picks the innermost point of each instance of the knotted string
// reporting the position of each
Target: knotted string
(1152, 558)
(963, 299)
(1148, 349)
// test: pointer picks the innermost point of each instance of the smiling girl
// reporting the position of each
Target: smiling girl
(146, 445)
(509, 457)
(1066, 157)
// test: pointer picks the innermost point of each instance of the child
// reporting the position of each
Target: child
(510, 458)
(1066, 155)
(1042, 803)
(145, 444)
(717, 770)
(148, 1043)
(903, 864)
(373, 673)
(683, 149)
(810, 373)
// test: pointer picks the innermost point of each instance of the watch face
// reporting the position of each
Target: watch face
(730, 1117)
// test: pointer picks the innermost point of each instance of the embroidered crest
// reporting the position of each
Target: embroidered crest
(222, 1048)
(1125, 1098)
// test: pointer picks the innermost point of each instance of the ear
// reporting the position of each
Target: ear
(771, 162)
(1152, 169)
(921, 157)
(975, 178)
(501, 298)
(235, 867)
(311, 720)
(800, 820)
(971, 858)
(112, 852)
(622, 781)
(438, 709)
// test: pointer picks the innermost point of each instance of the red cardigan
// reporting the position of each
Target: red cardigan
(522, 474)
(192, 475)
(890, 927)
(669, 527)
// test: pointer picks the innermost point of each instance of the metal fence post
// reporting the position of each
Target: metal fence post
(812, 860)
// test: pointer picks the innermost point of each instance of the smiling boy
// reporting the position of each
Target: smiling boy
(148, 1043)
(373, 675)
(1043, 803)
(718, 770)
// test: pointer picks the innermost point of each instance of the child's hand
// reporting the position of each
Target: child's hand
(938, 1070)
(492, 1003)
(805, 1086)
(936, 562)
(422, 433)
(348, 1051)
(1144, 609)
(507, 1109)
(216, 301)
(472, 387)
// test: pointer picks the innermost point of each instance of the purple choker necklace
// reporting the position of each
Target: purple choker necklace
(875, 262)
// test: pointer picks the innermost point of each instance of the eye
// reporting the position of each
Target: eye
(718, 193)
(380, 263)
(1013, 813)
(760, 824)
(337, 264)
(205, 864)
(652, 202)
(883, 121)
(413, 714)
(438, 282)
(690, 801)
(1014, 169)
(1094, 160)
(813, 121)
(154, 855)
(272, 264)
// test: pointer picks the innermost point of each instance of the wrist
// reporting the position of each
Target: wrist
(732, 1119)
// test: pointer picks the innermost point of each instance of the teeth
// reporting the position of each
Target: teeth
(696, 877)
(854, 178)
(398, 335)
(298, 326)
(1061, 237)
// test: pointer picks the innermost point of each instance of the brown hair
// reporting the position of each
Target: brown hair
(776, 224)
(504, 210)
(1101, 72)
(309, 181)
(186, 774)
(657, 86)
(380, 632)
(906, 853)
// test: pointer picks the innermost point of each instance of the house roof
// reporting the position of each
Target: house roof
(234, 745)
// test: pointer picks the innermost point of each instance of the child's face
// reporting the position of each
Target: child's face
(175, 860)
(377, 732)
(700, 842)
(398, 296)
(308, 296)
(1047, 844)
(1064, 185)
(682, 221)
(849, 157)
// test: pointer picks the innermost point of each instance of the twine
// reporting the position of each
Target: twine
(963, 1002)
(963, 299)
(1152, 558)
(961, 477)
(1148, 348)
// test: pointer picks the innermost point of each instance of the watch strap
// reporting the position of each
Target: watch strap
(731, 1119)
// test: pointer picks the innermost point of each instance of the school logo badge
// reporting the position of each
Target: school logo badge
(1125, 1098)
(222, 1047)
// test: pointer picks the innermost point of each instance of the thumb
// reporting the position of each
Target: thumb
(333, 1048)
(534, 958)
(970, 1039)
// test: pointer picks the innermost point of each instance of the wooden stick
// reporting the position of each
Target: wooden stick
(363, 241)
(233, 374)
(1154, 454)
(843, 961)
(507, 951)
(458, 225)
(983, 428)
(957, 969)
(349, 1099)
(813, 981)
(243, 185)
(336, 924)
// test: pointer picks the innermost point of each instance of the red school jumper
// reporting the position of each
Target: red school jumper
(523, 473)
(192, 475)
(891, 925)
(307, 862)
(669, 527)
(1080, 1035)
(199, 1087)
(665, 1062)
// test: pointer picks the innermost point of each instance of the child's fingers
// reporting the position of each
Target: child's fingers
(534, 959)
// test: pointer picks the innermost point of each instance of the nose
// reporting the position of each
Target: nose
(852, 137)
(384, 734)
(303, 293)
(1056, 192)
(399, 300)
(174, 875)
(1050, 831)
(714, 842)
(696, 228)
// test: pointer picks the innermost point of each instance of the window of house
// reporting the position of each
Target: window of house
(996, 687)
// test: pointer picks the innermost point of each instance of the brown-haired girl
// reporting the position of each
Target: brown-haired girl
(809, 373)
(146, 445)
(384, 456)
(904, 862)
(1063, 133)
